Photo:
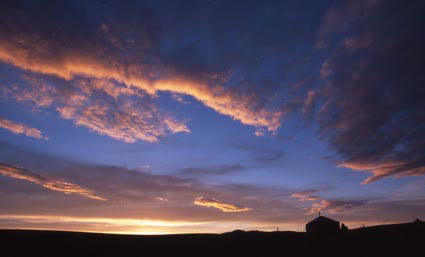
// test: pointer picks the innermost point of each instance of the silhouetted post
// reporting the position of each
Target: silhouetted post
(344, 228)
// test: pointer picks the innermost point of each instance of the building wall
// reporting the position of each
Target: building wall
(323, 228)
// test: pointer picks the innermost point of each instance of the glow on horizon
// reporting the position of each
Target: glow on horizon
(138, 226)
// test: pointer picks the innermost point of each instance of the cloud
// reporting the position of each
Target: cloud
(343, 16)
(309, 102)
(129, 122)
(373, 91)
(39, 94)
(55, 184)
(102, 106)
(335, 206)
(225, 207)
(134, 195)
(307, 195)
(100, 52)
(379, 170)
(240, 107)
(259, 133)
(21, 129)
(320, 203)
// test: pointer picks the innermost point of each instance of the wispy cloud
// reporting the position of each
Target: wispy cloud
(335, 206)
(309, 102)
(102, 106)
(320, 203)
(55, 184)
(373, 111)
(380, 170)
(128, 122)
(225, 207)
(307, 195)
(18, 128)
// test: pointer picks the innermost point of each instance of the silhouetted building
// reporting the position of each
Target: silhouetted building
(322, 225)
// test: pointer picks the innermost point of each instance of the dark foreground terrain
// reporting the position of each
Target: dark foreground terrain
(406, 239)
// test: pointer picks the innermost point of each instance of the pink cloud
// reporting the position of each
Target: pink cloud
(18, 128)
(102, 106)
(55, 184)
(381, 170)
(335, 206)
(307, 195)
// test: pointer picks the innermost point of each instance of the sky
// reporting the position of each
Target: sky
(156, 117)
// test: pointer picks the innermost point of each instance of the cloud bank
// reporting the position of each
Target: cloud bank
(99, 53)
(373, 96)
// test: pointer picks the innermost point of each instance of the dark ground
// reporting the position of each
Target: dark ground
(406, 239)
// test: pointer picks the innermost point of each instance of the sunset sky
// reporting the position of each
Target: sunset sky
(153, 117)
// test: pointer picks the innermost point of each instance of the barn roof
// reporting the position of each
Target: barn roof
(322, 219)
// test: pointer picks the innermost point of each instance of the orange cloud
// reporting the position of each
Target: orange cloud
(103, 107)
(21, 129)
(21, 52)
(239, 107)
(127, 123)
(320, 206)
(225, 207)
(39, 98)
(55, 184)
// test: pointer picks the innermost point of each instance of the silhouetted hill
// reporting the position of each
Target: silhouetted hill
(386, 240)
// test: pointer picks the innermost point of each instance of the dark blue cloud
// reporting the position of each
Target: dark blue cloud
(374, 96)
